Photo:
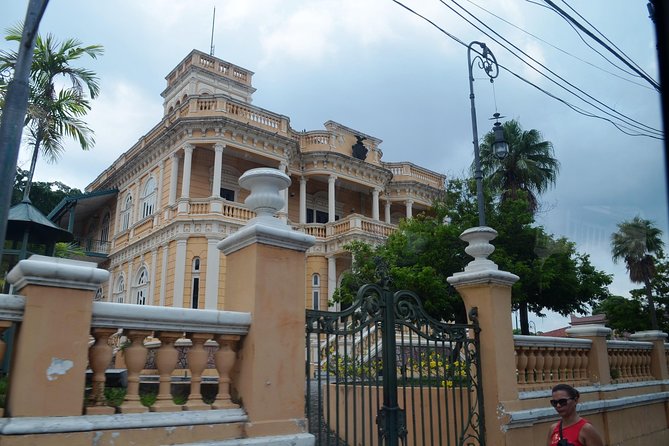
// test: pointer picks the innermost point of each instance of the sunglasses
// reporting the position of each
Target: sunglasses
(560, 402)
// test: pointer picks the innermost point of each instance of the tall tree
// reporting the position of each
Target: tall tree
(529, 166)
(55, 112)
(635, 242)
(528, 170)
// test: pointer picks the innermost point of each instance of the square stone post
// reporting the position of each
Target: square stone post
(658, 362)
(484, 287)
(48, 370)
(599, 369)
(266, 268)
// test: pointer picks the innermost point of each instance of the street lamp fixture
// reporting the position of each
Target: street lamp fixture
(486, 61)
(499, 147)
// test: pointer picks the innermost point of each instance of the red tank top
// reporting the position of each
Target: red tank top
(569, 432)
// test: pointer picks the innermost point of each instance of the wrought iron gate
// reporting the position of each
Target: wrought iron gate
(384, 373)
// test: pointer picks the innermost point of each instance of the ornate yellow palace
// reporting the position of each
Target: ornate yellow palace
(154, 217)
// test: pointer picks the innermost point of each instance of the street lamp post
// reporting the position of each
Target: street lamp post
(487, 62)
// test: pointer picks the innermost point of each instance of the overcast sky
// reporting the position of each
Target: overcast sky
(373, 66)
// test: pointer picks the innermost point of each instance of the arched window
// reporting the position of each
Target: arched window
(119, 289)
(142, 289)
(195, 289)
(126, 213)
(149, 197)
(99, 295)
(315, 291)
(104, 230)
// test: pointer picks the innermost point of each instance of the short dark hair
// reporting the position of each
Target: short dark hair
(573, 393)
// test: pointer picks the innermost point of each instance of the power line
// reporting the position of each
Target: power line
(641, 73)
(604, 36)
(637, 124)
(560, 49)
(573, 107)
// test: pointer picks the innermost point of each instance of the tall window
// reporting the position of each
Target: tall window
(149, 197)
(119, 289)
(195, 293)
(99, 295)
(104, 231)
(315, 291)
(142, 290)
(126, 214)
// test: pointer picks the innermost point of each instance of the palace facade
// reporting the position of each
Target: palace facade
(154, 217)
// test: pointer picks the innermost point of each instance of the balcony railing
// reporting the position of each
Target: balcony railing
(93, 246)
(408, 171)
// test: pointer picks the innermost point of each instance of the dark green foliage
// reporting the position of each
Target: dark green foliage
(44, 195)
(623, 315)
(425, 250)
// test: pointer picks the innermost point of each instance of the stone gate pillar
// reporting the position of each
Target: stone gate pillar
(48, 370)
(483, 286)
(266, 276)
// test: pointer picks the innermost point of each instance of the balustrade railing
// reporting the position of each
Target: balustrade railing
(132, 330)
(414, 172)
(253, 115)
(542, 361)
(166, 325)
(629, 361)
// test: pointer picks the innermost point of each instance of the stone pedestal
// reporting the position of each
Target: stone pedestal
(266, 269)
(484, 287)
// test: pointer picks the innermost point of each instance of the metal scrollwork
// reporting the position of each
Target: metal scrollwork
(485, 60)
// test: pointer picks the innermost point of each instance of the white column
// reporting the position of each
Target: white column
(331, 198)
(110, 287)
(174, 175)
(303, 200)
(387, 211)
(375, 204)
(332, 277)
(213, 268)
(283, 212)
(185, 183)
(128, 285)
(218, 164)
(152, 279)
(136, 204)
(119, 212)
(163, 274)
(409, 205)
(179, 273)
(159, 191)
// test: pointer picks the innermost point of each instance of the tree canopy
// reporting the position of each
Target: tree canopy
(530, 165)
(426, 249)
(45, 195)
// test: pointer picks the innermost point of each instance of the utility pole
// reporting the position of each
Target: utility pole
(13, 115)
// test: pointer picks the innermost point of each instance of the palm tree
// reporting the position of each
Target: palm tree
(635, 242)
(529, 165)
(54, 112)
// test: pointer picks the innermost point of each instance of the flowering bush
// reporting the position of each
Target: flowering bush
(436, 366)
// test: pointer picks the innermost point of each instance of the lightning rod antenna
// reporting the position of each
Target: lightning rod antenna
(213, 21)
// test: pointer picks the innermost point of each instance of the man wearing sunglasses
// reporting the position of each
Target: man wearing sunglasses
(571, 430)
